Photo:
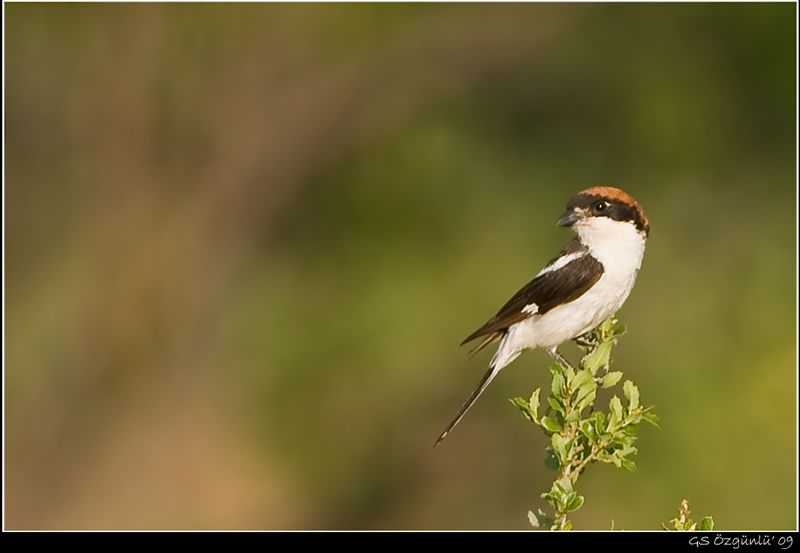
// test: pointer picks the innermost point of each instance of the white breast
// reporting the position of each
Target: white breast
(620, 248)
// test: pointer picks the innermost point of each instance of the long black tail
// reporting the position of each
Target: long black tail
(487, 378)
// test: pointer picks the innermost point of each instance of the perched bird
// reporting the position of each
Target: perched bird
(586, 283)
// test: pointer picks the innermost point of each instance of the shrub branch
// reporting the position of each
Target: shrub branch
(581, 434)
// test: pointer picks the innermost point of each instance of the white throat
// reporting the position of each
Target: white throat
(618, 245)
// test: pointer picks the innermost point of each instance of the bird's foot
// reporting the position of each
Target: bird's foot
(585, 340)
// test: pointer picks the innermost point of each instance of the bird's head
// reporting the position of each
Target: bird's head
(602, 210)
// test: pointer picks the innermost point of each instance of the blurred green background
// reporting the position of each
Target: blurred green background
(244, 242)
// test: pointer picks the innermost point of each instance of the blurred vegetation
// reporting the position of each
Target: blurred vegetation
(244, 241)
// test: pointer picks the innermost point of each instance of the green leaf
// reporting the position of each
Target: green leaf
(555, 404)
(599, 421)
(615, 405)
(629, 430)
(586, 399)
(598, 358)
(611, 379)
(622, 440)
(588, 430)
(575, 503)
(557, 369)
(521, 403)
(632, 393)
(557, 387)
(627, 464)
(569, 373)
(534, 405)
(550, 425)
(561, 445)
(631, 421)
(707, 524)
(524, 407)
(581, 377)
(652, 418)
(584, 386)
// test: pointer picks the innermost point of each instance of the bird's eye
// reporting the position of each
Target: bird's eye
(601, 206)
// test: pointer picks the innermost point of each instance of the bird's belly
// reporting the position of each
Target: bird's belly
(570, 320)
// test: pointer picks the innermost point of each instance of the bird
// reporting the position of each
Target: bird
(587, 282)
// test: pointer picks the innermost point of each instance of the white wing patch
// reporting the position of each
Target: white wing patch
(563, 261)
(531, 308)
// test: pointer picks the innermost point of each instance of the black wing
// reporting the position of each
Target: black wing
(547, 291)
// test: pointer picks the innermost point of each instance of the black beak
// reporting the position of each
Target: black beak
(569, 218)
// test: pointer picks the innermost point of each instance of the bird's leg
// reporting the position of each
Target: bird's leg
(560, 359)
